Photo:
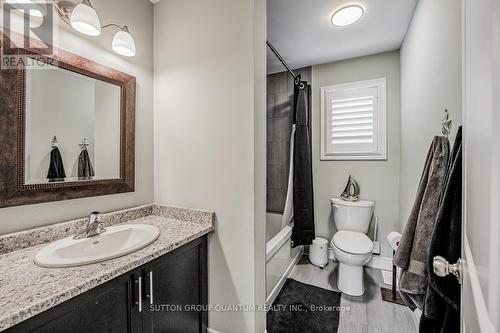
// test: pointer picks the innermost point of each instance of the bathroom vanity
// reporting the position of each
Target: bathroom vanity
(160, 288)
(70, 133)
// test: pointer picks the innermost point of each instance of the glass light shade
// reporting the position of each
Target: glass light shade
(347, 15)
(85, 20)
(34, 8)
(124, 43)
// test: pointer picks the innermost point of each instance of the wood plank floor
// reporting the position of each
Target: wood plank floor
(364, 314)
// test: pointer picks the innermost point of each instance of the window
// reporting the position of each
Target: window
(353, 121)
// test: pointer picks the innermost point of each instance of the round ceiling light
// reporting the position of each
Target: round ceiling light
(347, 15)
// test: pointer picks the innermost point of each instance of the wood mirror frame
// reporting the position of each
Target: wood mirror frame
(13, 189)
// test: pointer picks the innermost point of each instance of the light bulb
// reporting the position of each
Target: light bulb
(124, 43)
(84, 19)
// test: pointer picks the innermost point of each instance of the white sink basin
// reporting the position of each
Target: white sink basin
(116, 241)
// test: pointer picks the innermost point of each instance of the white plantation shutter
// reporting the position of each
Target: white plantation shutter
(353, 121)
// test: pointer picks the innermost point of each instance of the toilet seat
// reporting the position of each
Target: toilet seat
(352, 242)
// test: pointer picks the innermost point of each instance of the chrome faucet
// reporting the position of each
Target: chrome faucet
(94, 227)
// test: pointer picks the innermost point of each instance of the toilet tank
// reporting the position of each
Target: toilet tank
(352, 216)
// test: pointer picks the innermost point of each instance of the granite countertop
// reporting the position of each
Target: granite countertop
(27, 289)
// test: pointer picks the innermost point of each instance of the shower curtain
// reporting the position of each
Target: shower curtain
(288, 211)
(301, 168)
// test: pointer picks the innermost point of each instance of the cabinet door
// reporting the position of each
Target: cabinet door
(175, 285)
(107, 308)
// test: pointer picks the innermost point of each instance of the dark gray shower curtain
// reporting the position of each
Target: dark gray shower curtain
(303, 231)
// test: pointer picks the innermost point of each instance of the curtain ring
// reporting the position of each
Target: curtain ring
(299, 83)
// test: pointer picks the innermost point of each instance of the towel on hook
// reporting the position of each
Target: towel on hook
(56, 171)
(413, 249)
(85, 169)
(442, 300)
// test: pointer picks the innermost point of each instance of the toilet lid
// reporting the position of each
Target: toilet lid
(353, 242)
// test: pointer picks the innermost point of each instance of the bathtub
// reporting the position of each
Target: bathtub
(281, 258)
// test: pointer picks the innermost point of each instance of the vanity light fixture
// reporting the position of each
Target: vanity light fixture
(34, 8)
(123, 42)
(347, 15)
(84, 18)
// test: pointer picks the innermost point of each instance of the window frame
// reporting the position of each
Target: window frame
(381, 124)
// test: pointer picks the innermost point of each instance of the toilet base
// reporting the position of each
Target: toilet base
(350, 279)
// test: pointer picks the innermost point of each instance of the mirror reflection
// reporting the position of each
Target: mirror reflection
(72, 126)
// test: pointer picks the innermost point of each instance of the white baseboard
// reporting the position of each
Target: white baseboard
(272, 296)
(379, 262)
(387, 277)
(211, 330)
(415, 315)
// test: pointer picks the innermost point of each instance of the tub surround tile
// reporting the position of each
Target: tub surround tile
(27, 289)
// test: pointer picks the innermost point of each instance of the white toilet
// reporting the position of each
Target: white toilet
(351, 246)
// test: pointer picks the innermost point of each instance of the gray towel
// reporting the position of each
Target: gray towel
(413, 249)
(442, 300)
(85, 169)
(56, 171)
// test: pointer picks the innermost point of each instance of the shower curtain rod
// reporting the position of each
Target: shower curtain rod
(296, 78)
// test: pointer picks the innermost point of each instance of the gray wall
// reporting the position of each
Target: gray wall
(379, 180)
(107, 131)
(138, 15)
(210, 115)
(431, 82)
(53, 109)
(280, 103)
(93, 113)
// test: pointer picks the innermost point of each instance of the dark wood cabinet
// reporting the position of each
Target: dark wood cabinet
(169, 294)
(178, 292)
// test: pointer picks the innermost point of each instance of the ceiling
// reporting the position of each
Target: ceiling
(302, 33)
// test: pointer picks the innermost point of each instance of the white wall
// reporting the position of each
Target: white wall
(210, 139)
(54, 109)
(379, 180)
(138, 15)
(431, 82)
(107, 131)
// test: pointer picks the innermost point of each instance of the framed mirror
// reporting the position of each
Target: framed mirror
(66, 126)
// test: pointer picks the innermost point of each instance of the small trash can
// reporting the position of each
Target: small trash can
(318, 252)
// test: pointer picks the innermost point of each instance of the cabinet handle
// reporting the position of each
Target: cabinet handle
(139, 302)
(151, 287)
